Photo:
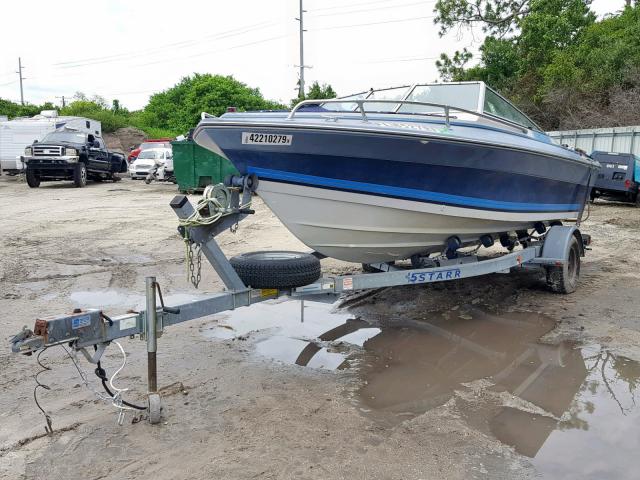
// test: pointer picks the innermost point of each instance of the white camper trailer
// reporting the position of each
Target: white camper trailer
(19, 133)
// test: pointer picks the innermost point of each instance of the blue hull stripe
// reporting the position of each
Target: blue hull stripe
(410, 193)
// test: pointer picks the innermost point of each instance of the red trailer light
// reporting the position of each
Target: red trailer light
(627, 183)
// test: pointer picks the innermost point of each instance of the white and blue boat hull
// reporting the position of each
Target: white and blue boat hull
(381, 191)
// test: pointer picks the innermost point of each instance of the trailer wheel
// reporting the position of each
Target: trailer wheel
(276, 269)
(155, 408)
(33, 180)
(564, 279)
(80, 175)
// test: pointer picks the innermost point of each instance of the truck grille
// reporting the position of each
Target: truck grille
(44, 151)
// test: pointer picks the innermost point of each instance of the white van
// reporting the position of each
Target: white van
(19, 133)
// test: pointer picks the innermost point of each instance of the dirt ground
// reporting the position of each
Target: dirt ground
(228, 413)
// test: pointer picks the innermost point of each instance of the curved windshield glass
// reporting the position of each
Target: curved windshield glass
(388, 94)
(494, 104)
(465, 96)
(72, 137)
(152, 154)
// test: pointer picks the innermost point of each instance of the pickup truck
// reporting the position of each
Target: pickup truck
(71, 155)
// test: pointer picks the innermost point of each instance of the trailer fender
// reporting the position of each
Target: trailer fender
(558, 240)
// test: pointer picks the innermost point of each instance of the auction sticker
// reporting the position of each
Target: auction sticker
(249, 138)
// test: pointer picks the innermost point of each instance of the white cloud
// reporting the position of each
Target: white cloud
(128, 50)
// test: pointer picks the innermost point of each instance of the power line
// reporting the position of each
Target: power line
(349, 6)
(411, 19)
(257, 42)
(128, 56)
(397, 60)
(369, 9)
(183, 57)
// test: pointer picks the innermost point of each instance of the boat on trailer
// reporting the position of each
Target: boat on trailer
(391, 174)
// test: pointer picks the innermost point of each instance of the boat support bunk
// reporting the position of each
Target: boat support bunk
(90, 331)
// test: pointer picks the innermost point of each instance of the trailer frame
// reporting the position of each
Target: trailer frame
(84, 328)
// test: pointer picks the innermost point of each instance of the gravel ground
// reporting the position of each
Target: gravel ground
(227, 413)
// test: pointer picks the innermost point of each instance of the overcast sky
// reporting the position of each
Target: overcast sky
(131, 49)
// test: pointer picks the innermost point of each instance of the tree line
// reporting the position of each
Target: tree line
(558, 62)
(171, 112)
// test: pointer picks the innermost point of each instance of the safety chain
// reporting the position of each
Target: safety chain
(194, 270)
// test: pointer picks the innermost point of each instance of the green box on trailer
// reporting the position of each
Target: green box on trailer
(196, 167)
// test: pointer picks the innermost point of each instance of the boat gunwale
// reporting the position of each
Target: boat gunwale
(227, 123)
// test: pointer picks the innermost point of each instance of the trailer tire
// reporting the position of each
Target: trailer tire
(154, 408)
(276, 269)
(80, 175)
(564, 279)
(33, 180)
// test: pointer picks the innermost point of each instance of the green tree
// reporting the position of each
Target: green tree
(495, 17)
(178, 109)
(452, 69)
(316, 92)
(524, 37)
(13, 109)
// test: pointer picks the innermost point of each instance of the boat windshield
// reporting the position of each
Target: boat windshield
(464, 95)
(388, 94)
(471, 96)
(495, 105)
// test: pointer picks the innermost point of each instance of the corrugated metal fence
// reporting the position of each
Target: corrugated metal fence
(618, 139)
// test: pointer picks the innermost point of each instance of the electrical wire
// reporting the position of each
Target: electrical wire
(163, 48)
(334, 7)
(400, 20)
(117, 400)
(387, 7)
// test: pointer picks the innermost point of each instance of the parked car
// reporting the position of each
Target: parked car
(149, 143)
(148, 160)
(71, 155)
(618, 178)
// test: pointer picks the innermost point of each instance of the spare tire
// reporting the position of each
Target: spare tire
(276, 269)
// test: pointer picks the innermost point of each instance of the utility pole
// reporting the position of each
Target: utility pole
(63, 101)
(301, 83)
(19, 72)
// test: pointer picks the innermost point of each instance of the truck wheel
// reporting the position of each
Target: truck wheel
(564, 279)
(638, 199)
(33, 180)
(80, 175)
(115, 177)
(276, 269)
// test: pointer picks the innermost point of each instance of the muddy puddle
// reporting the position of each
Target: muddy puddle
(571, 409)
(321, 339)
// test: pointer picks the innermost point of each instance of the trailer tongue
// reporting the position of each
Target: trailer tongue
(557, 250)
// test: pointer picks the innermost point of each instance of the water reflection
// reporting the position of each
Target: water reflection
(571, 409)
(282, 335)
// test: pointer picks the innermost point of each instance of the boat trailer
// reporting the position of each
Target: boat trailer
(557, 249)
